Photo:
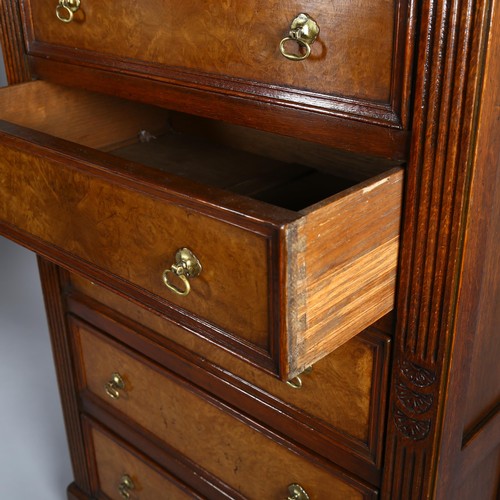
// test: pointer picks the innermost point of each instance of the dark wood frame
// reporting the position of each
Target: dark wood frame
(438, 291)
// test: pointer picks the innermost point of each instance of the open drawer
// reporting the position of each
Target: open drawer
(294, 260)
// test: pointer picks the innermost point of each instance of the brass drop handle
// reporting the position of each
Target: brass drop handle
(114, 386)
(66, 9)
(303, 30)
(126, 486)
(296, 382)
(296, 492)
(186, 266)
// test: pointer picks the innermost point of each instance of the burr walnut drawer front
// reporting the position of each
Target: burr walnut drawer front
(355, 66)
(341, 398)
(122, 472)
(217, 439)
(280, 263)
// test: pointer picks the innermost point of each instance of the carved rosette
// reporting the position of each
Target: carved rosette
(414, 402)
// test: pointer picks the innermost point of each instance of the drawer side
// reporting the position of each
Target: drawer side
(342, 258)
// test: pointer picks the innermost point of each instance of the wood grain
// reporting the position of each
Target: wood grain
(482, 248)
(436, 270)
(201, 430)
(52, 279)
(353, 58)
(327, 416)
(135, 237)
(91, 119)
(12, 36)
(292, 150)
(472, 412)
(113, 459)
(89, 206)
(330, 129)
(448, 91)
(342, 261)
(343, 376)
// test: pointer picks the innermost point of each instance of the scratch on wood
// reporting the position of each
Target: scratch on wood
(375, 185)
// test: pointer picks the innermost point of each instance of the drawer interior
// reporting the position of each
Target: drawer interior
(278, 170)
(288, 185)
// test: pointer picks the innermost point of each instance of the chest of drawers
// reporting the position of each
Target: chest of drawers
(267, 238)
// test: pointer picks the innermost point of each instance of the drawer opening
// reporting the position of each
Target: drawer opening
(291, 186)
(278, 170)
(282, 171)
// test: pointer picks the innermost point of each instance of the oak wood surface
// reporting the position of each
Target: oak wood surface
(53, 279)
(345, 251)
(471, 443)
(90, 119)
(482, 248)
(140, 236)
(447, 91)
(11, 33)
(198, 428)
(169, 461)
(332, 130)
(345, 164)
(326, 380)
(352, 58)
(447, 97)
(213, 165)
(329, 435)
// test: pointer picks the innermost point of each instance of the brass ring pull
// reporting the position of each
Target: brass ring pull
(296, 492)
(295, 57)
(126, 486)
(174, 288)
(304, 30)
(186, 266)
(296, 382)
(65, 11)
(114, 386)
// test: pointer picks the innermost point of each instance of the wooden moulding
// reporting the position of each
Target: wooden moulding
(439, 300)
(113, 458)
(340, 268)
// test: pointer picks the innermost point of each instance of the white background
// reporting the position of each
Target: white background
(34, 460)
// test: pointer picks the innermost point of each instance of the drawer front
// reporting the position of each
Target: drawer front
(133, 236)
(121, 471)
(355, 66)
(342, 396)
(202, 429)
